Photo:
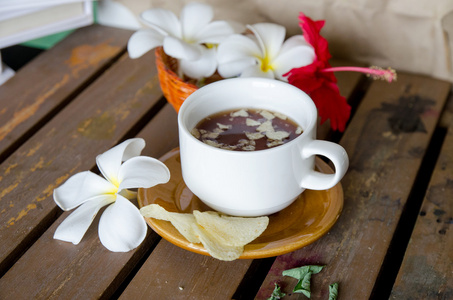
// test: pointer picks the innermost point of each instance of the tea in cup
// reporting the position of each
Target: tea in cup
(248, 146)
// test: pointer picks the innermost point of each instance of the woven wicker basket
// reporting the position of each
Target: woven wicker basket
(175, 90)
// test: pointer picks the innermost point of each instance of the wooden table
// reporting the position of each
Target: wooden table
(85, 95)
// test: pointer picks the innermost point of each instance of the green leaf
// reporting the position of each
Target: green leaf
(303, 275)
(300, 272)
(333, 291)
(277, 294)
(303, 286)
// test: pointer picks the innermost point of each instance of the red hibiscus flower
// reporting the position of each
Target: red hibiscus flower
(318, 80)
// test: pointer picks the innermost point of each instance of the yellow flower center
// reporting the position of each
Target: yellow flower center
(113, 191)
(266, 64)
(116, 183)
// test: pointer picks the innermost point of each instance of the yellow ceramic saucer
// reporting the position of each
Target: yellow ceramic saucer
(300, 224)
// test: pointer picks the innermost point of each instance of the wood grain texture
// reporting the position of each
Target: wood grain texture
(161, 135)
(174, 273)
(56, 269)
(46, 83)
(447, 114)
(427, 269)
(91, 124)
(385, 141)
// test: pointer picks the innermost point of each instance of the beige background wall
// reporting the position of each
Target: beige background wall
(408, 35)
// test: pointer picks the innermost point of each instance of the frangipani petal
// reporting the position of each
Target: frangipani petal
(142, 41)
(122, 227)
(295, 53)
(256, 71)
(237, 53)
(142, 172)
(236, 67)
(295, 41)
(181, 50)
(80, 188)
(237, 47)
(194, 17)
(204, 67)
(270, 36)
(163, 21)
(73, 228)
(109, 162)
(215, 32)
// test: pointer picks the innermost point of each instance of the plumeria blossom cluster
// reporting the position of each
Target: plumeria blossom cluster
(259, 50)
(121, 226)
(191, 39)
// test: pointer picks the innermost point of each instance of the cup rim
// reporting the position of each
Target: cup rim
(231, 81)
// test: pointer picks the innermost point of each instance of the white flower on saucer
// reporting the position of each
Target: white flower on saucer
(264, 54)
(183, 38)
(121, 226)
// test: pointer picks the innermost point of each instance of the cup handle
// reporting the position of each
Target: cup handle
(315, 180)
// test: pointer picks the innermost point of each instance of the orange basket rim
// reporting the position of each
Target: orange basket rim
(161, 55)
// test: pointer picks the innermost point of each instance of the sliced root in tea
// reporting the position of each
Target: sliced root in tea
(266, 114)
(228, 129)
(240, 113)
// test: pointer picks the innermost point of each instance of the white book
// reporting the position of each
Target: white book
(14, 5)
(24, 20)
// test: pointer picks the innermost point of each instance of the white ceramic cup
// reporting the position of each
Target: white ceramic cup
(254, 183)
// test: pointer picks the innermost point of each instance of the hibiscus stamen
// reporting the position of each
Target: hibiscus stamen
(374, 72)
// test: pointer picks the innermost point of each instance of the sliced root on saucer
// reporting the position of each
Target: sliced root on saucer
(182, 222)
(224, 237)
(228, 230)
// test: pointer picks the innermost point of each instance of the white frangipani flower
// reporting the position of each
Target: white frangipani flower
(183, 38)
(121, 226)
(265, 54)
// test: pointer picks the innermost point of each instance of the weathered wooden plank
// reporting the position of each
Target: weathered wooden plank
(386, 141)
(48, 82)
(162, 134)
(174, 273)
(447, 115)
(55, 269)
(426, 272)
(94, 122)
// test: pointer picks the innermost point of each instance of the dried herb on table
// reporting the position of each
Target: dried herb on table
(303, 275)
(333, 291)
(277, 294)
